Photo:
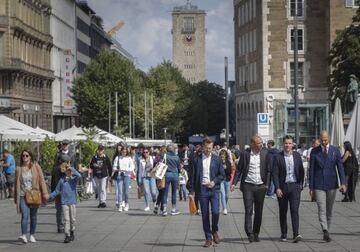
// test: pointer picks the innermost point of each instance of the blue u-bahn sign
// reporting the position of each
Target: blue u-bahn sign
(263, 118)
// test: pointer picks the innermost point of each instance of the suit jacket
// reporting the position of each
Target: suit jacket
(325, 169)
(217, 173)
(243, 167)
(279, 170)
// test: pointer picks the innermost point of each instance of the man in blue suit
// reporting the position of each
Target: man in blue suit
(326, 169)
(288, 176)
(207, 174)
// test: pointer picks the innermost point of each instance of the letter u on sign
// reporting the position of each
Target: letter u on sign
(263, 118)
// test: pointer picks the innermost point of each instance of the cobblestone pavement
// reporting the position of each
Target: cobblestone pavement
(136, 230)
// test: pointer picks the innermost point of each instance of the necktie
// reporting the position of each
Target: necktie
(325, 151)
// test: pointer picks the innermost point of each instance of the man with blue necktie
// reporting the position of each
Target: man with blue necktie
(326, 169)
(288, 175)
(207, 175)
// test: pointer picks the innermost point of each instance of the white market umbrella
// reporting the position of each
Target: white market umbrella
(12, 130)
(353, 131)
(72, 134)
(337, 129)
(43, 132)
(106, 138)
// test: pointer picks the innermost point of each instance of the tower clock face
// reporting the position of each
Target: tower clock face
(189, 39)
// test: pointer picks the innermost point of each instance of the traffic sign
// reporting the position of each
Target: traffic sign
(263, 118)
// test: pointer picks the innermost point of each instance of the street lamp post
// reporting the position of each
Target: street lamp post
(226, 101)
(296, 98)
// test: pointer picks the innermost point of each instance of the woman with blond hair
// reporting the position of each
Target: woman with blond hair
(28, 178)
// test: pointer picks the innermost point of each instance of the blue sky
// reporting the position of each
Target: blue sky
(147, 30)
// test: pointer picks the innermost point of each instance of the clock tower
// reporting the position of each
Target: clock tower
(189, 41)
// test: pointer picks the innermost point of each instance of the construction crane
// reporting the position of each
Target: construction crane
(116, 28)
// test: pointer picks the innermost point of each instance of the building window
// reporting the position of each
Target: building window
(189, 53)
(300, 74)
(189, 66)
(352, 3)
(188, 26)
(254, 39)
(80, 67)
(300, 32)
(254, 8)
(296, 6)
(83, 47)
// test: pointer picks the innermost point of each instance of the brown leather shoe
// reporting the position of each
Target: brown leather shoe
(207, 244)
(216, 238)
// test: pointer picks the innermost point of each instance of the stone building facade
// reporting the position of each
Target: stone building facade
(264, 63)
(189, 42)
(25, 72)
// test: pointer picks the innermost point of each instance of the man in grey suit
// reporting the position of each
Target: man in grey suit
(253, 171)
(326, 169)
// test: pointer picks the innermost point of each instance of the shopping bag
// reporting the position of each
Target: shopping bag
(89, 187)
(160, 169)
(140, 191)
(192, 206)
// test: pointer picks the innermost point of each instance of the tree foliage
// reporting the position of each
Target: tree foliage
(206, 114)
(106, 74)
(88, 148)
(48, 154)
(345, 58)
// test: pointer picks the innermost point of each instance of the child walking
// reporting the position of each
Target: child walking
(67, 189)
(183, 179)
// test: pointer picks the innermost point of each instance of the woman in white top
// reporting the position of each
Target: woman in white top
(146, 164)
(124, 165)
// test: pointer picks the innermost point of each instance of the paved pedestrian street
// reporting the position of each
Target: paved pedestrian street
(136, 230)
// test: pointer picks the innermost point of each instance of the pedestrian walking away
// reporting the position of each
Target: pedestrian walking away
(101, 168)
(9, 167)
(67, 189)
(288, 176)
(207, 175)
(326, 169)
(351, 168)
(29, 180)
(229, 169)
(253, 172)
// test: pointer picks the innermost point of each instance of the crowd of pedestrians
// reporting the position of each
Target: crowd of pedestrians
(205, 174)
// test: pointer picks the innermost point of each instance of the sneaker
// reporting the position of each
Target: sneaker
(72, 236)
(32, 239)
(297, 239)
(225, 211)
(156, 210)
(126, 208)
(326, 236)
(122, 204)
(147, 209)
(283, 238)
(164, 213)
(117, 205)
(175, 212)
(23, 239)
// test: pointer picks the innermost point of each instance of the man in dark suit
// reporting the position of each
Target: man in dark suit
(326, 169)
(288, 176)
(207, 174)
(253, 171)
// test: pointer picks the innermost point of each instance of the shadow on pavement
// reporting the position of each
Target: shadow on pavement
(171, 245)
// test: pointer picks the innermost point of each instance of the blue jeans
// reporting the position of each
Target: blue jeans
(150, 189)
(116, 187)
(174, 182)
(182, 192)
(24, 209)
(206, 197)
(271, 189)
(123, 189)
(224, 193)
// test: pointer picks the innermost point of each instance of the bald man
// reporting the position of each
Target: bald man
(253, 172)
(326, 170)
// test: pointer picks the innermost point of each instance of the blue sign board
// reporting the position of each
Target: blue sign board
(263, 118)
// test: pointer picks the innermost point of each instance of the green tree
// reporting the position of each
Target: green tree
(88, 148)
(344, 58)
(48, 154)
(169, 89)
(206, 114)
(106, 74)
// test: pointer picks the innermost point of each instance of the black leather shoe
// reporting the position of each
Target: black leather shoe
(60, 230)
(256, 237)
(326, 236)
(67, 239)
(251, 238)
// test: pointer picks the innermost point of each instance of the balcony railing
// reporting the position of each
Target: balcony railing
(19, 65)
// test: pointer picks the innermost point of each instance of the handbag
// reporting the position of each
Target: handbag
(160, 183)
(89, 187)
(33, 197)
(160, 169)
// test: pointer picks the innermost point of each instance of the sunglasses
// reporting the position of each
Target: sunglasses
(146, 152)
(25, 155)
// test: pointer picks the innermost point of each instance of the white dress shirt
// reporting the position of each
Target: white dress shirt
(254, 176)
(290, 170)
(206, 169)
